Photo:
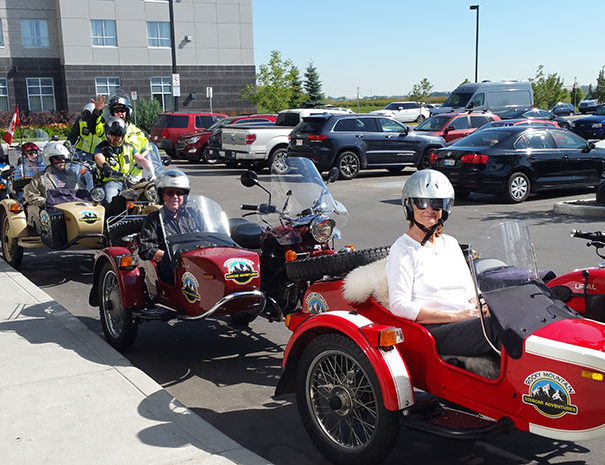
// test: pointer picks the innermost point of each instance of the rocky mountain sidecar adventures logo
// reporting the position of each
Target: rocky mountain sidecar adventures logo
(550, 394)
(190, 287)
(316, 303)
(240, 270)
(89, 217)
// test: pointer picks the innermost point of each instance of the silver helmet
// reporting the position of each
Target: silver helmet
(175, 179)
(87, 110)
(427, 184)
(55, 149)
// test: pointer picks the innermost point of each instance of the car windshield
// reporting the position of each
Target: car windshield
(600, 110)
(434, 123)
(458, 99)
(484, 138)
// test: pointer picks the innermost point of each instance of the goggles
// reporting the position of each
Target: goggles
(31, 152)
(172, 192)
(119, 109)
(436, 204)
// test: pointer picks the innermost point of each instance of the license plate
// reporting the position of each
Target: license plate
(449, 162)
(299, 142)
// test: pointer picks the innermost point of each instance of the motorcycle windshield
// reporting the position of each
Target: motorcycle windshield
(503, 256)
(298, 190)
(156, 167)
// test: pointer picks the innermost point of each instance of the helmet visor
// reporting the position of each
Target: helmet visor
(435, 204)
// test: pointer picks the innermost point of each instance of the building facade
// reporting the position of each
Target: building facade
(56, 54)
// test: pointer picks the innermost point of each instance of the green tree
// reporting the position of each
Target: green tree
(599, 90)
(298, 96)
(548, 89)
(312, 85)
(273, 90)
(466, 81)
(421, 91)
(576, 95)
(147, 112)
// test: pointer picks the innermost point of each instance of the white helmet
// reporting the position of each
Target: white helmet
(173, 178)
(54, 149)
(87, 110)
(427, 184)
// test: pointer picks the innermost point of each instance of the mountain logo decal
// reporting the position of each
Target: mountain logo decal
(550, 394)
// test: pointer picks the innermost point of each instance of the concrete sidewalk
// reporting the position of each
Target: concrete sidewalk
(66, 397)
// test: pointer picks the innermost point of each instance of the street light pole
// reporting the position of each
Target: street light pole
(173, 48)
(475, 7)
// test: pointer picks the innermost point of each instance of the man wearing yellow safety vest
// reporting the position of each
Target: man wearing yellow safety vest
(119, 105)
(117, 159)
(84, 140)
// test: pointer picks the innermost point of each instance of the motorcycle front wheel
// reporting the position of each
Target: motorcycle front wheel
(340, 402)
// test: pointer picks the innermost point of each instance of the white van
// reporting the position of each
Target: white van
(497, 97)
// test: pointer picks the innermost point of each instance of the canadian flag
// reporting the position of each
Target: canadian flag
(8, 136)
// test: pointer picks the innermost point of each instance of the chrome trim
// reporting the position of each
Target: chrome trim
(236, 295)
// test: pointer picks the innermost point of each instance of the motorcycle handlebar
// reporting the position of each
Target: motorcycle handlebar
(246, 206)
(263, 208)
(591, 236)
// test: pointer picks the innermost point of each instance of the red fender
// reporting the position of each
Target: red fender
(389, 366)
(131, 280)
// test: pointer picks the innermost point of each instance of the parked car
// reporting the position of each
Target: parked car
(454, 126)
(214, 151)
(536, 113)
(405, 112)
(588, 104)
(514, 161)
(496, 97)
(563, 109)
(591, 127)
(355, 142)
(169, 126)
(191, 146)
(535, 123)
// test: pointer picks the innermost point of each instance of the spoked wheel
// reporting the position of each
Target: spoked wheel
(340, 402)
(348, 165)
(277, 160)
(119, 327)
(11, 250)
(517, 188)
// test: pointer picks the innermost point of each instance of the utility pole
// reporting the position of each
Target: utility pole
(173, 50)
(475, 7)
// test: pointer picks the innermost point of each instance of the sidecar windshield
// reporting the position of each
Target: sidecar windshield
(200, 214)
(503, 256)
(157, 168)
(297, 189)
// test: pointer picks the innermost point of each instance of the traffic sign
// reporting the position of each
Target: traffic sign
(176, 85)
(133, 94)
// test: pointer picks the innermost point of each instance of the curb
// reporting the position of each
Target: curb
(581, 208)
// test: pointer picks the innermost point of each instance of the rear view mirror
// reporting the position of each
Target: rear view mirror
(333, 174)
(249, 179)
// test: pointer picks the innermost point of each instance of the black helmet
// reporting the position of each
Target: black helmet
(118, 102)
(115, 126)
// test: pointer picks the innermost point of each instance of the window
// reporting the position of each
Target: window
(161, 90)
(3, 95)
(1, 35)
(568, 140)
(389, 125)
(103, 33)
(205, 121)
(460, 123)
(40, 94)
(34, 33)
(158, 34)
(107, 85)
(478, 121)
(534, 140)
(478, 100)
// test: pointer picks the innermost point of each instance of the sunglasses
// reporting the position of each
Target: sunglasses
(31, 152)
(171, 193)
(436, 204)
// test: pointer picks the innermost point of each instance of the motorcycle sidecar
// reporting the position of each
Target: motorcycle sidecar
(212, 277)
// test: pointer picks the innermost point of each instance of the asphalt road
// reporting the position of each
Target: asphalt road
(228, 375)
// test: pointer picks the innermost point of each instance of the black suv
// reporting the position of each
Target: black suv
(359, 141)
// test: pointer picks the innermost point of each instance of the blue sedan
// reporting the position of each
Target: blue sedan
(563, 109)
(591, 127)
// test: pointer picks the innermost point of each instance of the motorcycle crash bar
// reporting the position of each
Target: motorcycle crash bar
(262, 300)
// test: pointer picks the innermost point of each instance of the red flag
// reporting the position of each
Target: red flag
(8, 136)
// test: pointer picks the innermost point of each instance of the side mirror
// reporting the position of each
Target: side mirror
(448, 129)
(249, 178)
(166, 160)
(471, 105)
(588, 147)
(6, 174)
(333, 174)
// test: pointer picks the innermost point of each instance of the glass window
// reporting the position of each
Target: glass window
(34, 33)
(40, 94)
(478, 121)
(484, 138)
(1, 35)
(103, 32)
(512, 97)
(389, 125)
(161, 90)
(568, 140)
(434, 123)
(204, 121)
(457, 99)
(107, 85)
(356, 124)
(158, 34)
(534, 140)
(478, 100)
(3, 95)
(460, 123)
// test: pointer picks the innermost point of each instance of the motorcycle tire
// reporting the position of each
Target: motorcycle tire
(314, 268)
(125, 228)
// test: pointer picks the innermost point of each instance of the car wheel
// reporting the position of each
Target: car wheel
(564, 125)
(11, 250)
(424, 161)
(119, 326)
(420, 119)
(348, 164)
(518, 188)
(340, 402)
(277, 160)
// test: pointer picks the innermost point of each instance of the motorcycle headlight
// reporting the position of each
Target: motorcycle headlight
(321, 228)
(97, 194)
(151, 194)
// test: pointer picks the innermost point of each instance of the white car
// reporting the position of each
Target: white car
(405, 112)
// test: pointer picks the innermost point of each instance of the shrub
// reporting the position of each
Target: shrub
(147, 112)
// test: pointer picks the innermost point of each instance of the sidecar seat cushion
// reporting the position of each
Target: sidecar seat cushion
(487, 366)
(367, 281)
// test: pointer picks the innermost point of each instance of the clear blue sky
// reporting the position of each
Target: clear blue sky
(387, 46)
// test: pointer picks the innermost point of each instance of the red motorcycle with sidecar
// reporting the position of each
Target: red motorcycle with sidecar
(359, 371)
(213, 276)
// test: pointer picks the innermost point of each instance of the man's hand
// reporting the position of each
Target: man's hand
(106, 170)
(99, 102)
(158, 255)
